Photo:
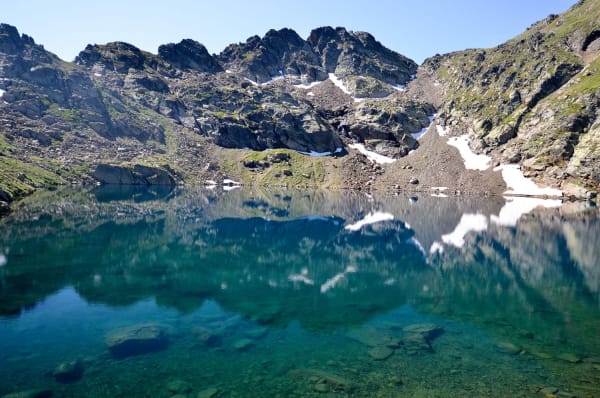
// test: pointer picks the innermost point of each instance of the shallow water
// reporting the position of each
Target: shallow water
(291, 293)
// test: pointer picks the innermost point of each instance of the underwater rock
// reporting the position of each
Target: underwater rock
(380, 353)
(242, 344)
(568, 357)
(207, 393)
(372, 337)
(135, 340)
(418, 337)
(508, 348)
(68, 372)
(257, 333)
(207, 337)
(179, 386)
(29, 394)
(323, 379)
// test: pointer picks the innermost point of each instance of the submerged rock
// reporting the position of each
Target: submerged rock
(242, 344)
(372, 337)
(380, 353)
(207, 393)
(29, 394)
(508, 348)
(68, 372)
(418, 337)
(137, 339)
(208, 337)
(179, 386)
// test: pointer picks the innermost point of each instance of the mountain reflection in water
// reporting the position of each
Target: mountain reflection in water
(326, 262)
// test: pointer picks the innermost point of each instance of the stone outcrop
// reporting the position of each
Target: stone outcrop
(136, 175)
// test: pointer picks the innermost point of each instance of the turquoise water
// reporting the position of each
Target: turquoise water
(250, 293)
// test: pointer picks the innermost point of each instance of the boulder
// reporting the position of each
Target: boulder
(136, 340)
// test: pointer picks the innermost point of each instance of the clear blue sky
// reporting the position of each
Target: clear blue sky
(415, 28)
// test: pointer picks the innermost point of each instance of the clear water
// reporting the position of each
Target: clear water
(295, 293)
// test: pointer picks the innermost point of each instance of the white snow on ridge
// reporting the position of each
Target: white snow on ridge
(371, 218)
(467, 223)
(399, 87)
(273, 79)
(472, 160)
(229, 181)
(515, 207)
(2, 92)
(339, 84)
(518, 184)
(372, 156)
(319, 154)
(307, 86)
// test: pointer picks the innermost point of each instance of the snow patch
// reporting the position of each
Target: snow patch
(228, 71)
(439, 188)
(399, 87)
(228, 188)
(319, 154)
(372, 156)
(472, 160)
(521, 185)
(2, 92)
(515, 207)
(467, 223)
(439, 195)
(210, 182)
(310, 94)
(229, 181)
(371, 218)
(307, 86)
(3, 260)
(442, 132)
(98, 74)
(418, 135)
(339, 84)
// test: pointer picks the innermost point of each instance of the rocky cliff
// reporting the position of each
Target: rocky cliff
(532, 100)
(186, 116)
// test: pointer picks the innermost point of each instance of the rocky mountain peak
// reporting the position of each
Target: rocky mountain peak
(279, 52)
(118, 56)
(348, 53)
(189, 54)
(10, 40)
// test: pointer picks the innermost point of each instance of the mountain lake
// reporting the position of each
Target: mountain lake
(197, 293)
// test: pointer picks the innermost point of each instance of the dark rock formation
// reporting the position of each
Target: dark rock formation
(189, 54)
(136, 175)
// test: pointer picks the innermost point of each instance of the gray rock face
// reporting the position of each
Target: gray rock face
(117, 56)
(189, 54)
(138, 175)
(136, 340)
(278, 53)
(358, 53)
